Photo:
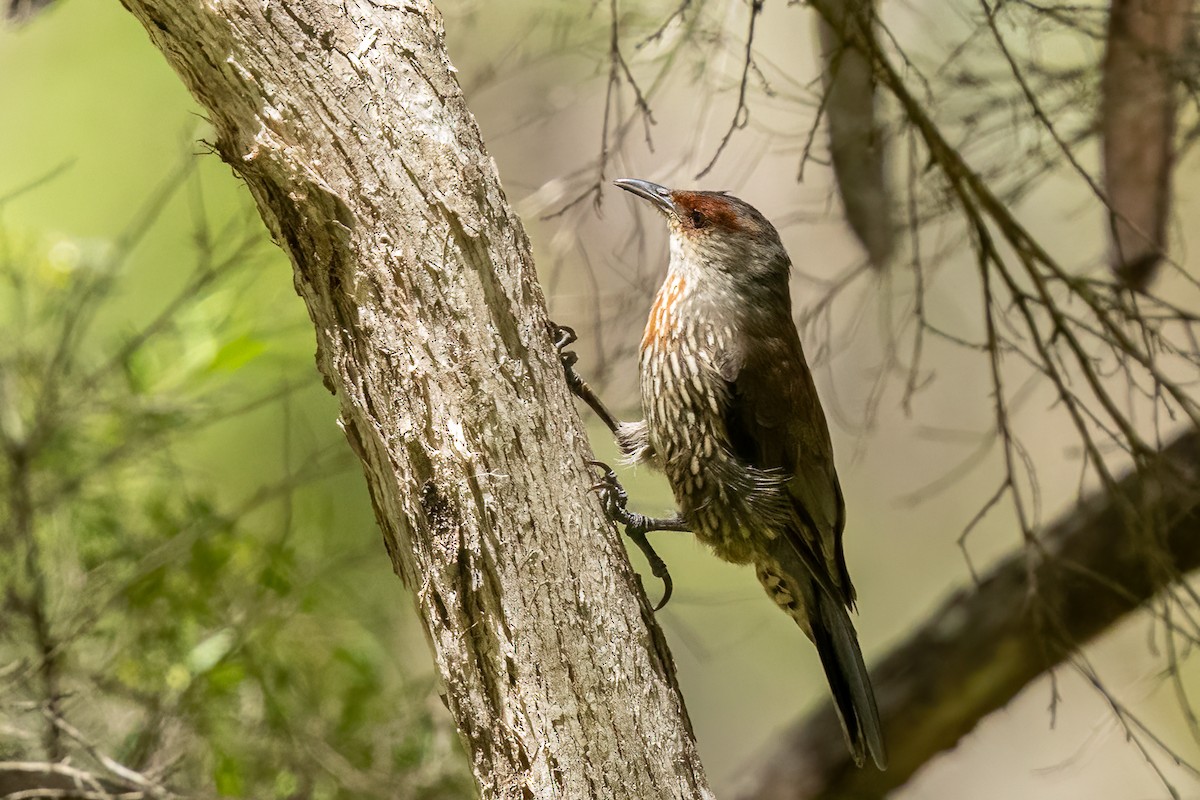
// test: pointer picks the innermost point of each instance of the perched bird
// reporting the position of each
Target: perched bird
(733, 419)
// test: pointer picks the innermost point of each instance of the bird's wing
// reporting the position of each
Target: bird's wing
(774, 422)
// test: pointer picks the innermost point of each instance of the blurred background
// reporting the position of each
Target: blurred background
(191, 567)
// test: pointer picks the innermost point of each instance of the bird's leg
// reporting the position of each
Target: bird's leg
(612, 494)
(614, 497)
(565, 337)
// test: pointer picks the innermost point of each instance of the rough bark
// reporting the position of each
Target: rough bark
(986, 643)
(347, 124)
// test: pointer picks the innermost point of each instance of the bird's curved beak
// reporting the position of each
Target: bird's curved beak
(660, 196)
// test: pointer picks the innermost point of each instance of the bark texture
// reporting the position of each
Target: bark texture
(347, 124)
(986, 643)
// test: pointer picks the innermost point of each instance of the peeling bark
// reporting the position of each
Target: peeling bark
(986, 643)
(347, 124)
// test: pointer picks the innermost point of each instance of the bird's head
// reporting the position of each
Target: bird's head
(716, 231)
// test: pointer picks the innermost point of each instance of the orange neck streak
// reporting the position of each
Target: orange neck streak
(661, 321)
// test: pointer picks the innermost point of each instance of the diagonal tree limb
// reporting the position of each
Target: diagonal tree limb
(348, 126)
(984, 644)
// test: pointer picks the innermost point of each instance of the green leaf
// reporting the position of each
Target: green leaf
(237, 353)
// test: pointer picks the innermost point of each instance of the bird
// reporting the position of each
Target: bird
(732, 418)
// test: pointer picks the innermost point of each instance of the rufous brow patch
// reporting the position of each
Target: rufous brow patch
(716, 208)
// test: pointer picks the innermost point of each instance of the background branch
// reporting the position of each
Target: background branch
(976, 652)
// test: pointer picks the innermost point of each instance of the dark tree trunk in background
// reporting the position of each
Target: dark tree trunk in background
(1137, 124)
(984, 644)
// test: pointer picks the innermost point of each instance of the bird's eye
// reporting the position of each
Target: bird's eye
(698, 220)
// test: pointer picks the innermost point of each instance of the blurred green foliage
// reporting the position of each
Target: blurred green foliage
(180, 520)
(160, 608)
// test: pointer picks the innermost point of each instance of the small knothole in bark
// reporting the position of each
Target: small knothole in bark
(437, 510)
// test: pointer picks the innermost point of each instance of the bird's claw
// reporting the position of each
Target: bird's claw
(612, 494)
(614, 499)
(564, 335)
(658, 568)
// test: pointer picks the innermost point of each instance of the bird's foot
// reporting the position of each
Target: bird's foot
(564, 336)
(614, 498)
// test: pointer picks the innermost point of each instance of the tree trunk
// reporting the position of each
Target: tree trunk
(347, 124)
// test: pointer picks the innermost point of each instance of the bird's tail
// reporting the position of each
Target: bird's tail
(837, 643)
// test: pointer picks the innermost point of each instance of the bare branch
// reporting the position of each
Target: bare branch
(741, 114)
(35, 780)
(678, 13)
(988, 638)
